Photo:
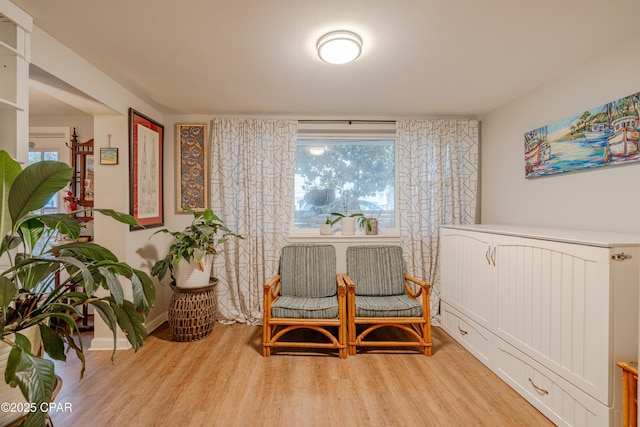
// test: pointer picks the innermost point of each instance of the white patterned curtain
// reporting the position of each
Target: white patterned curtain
(437, 184)
(252, 180)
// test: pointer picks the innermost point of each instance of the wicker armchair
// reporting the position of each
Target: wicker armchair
(379, 295)
(307, 293)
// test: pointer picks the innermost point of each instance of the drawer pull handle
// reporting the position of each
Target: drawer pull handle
(487, 255)
(462, 331)
(538, 389)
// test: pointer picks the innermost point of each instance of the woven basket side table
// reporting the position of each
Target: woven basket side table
(192, 312)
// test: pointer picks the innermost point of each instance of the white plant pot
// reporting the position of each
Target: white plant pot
(8, 393)
(325, 229)
(348, 225)
(189, 275)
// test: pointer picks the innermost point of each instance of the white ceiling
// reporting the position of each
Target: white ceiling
(420, 57)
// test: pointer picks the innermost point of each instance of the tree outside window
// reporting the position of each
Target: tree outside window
(346, 176)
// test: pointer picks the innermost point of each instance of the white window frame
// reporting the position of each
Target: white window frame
(349, 130)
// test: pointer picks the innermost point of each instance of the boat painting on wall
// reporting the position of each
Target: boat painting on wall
(602, 136)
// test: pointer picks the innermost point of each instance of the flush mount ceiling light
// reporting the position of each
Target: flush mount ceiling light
(339, 47)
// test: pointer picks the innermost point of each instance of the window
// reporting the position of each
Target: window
(38, 156)
(344, 175)
(51, 207)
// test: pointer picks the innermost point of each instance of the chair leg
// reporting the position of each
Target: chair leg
(342, 340)
(266, 340)
(426, 336)
(352, 338)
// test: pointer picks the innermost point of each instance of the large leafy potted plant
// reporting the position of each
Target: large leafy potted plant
(36, 291)
(190, 256)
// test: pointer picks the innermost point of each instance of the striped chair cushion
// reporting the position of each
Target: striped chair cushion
(308, 271)
(389, 306)
(305, 308)
(376, 270)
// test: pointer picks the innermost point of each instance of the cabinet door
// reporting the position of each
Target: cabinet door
(467, 259)
(553, 303)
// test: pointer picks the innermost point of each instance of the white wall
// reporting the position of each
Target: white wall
(82, 123)
(111, 182)
(598, 199)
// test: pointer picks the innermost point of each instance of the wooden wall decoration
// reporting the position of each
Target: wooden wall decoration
(192, 167)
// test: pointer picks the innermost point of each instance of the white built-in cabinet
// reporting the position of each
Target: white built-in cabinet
(15, 55)
(550, 311)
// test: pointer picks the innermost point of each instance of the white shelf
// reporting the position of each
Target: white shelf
(8, 105)
(6, 49)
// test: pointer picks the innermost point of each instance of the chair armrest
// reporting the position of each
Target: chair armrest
(419, 282)
(425, 288)
(342, 287)
(272, 287)
(351, 287)
(271, 282)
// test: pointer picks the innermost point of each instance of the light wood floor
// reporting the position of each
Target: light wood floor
(223, 380)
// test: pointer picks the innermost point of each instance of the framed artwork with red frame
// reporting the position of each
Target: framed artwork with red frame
(146, 137)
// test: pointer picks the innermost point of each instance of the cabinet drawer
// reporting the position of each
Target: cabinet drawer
(472, 336)
(557, 399)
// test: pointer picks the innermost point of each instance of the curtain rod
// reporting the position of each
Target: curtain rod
(350, 122)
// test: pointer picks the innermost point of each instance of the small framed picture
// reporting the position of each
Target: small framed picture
(108, 156)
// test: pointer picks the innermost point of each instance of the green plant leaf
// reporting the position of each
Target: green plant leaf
(7, 292)
(9, 170)
(113, 284)
(160, 268)
(103, 308)
(130, 321)
(88, 250)
(118, 216)
(31, 231)
(9, 242)
(64, 223)
(35, 186)
(78, 271)
(35, 376)
(144, 292)
(198, 254)
(32, 273)
(209, 216)
(52, 342)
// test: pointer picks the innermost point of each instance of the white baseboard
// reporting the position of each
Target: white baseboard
(153, 324)
(106, 343)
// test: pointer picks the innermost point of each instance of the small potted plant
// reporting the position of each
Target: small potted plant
(326, 228)
(38, 307)
(190, 256)
(348, 222)
(369, 224)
